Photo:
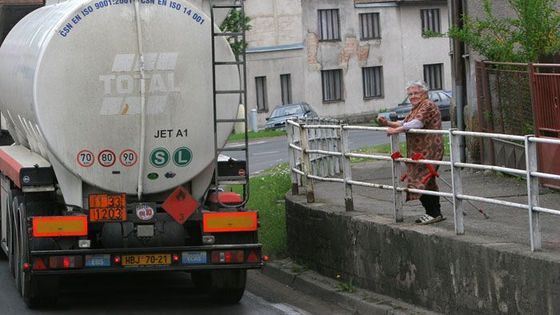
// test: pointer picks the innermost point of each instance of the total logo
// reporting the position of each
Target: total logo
(181, 157)
(121, 86)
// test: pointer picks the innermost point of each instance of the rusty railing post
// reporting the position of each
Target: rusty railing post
(306, 163)
(293, 159)
(346, 169)
(396, 172)
(532, 194)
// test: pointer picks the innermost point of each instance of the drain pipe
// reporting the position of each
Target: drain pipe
(142, 102)
(458, 70)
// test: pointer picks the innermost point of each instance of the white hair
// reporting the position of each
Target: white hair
(418, 83)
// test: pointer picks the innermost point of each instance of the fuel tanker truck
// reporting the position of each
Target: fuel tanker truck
(117, 109)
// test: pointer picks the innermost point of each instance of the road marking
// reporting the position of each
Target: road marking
(265, 153)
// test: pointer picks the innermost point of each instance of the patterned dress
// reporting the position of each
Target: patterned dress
(429, 145)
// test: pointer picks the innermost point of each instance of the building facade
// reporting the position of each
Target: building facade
(348, 59)
(275, 55)
(360, 54)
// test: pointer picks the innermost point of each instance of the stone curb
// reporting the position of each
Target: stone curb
(359, 301)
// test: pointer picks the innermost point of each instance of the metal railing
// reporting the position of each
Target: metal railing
(306, 157)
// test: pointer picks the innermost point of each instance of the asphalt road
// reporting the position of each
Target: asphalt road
(269, 152)
(161, 293)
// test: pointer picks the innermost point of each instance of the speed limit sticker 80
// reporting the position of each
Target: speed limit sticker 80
(106, 158)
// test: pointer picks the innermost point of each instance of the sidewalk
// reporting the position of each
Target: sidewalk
(490, 269)
(504, 225)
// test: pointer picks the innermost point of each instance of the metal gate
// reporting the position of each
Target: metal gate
(545, 91)
(519, 98)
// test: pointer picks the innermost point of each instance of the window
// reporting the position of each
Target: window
(332, 85)
(433, 75)
(372, 79)
(369, 26)
(328, 25)
(260, 83)
(286, 88)
(430, 21)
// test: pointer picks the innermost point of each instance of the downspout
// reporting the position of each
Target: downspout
(458, 70)
(142, 101)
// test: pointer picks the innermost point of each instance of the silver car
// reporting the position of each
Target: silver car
(441, 98)
(281, 113)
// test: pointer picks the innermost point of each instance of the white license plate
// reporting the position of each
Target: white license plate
(194, 258)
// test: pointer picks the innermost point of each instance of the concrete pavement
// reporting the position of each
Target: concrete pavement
(345, 295)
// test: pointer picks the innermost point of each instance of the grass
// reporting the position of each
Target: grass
(386, 148)
(256, 135)
(267, 193)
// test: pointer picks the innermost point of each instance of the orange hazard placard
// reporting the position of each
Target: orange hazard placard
(180, 205)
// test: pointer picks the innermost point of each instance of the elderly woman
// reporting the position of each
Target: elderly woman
(424, 115)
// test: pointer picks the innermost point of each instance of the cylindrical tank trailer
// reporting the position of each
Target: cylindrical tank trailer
(121, 99)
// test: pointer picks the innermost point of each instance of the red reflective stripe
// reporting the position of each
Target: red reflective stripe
(218, 222)
(41, 230)
(10, 167)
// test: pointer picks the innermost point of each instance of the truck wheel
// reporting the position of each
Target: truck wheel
(225, 286)
(37, 291)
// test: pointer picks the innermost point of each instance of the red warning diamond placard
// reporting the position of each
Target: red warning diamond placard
(180, 205)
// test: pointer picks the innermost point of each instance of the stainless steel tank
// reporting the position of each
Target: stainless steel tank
(119, 92)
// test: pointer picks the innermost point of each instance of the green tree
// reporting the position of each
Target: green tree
(236, 22)
(532, 33)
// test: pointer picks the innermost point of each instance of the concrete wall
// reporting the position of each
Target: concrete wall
(274, 22)
(272, 64)
(443, 272)
(274, 48)
(402, 51)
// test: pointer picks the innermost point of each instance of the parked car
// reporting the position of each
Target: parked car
(281, 113)
(441, 98)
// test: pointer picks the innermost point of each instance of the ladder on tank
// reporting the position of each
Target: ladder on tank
(242, 178)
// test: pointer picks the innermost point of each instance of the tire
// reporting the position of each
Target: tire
(224, 286)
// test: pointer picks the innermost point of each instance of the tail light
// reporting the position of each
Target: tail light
(39, 264)
(252, 257)
(65, 262)
(228, 257)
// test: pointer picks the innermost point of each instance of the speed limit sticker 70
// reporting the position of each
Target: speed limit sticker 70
(128, 157)
(85, 158)
(106, 158)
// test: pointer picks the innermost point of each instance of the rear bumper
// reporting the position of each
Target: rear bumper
(174, 266)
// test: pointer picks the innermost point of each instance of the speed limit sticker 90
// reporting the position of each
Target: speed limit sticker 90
(128, 157)
(106, 158)
(85, 158)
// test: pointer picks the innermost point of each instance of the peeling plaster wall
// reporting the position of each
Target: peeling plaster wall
(443, 272)
(401, 51)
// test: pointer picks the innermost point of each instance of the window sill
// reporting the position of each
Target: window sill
(333, 101)
(367, 98)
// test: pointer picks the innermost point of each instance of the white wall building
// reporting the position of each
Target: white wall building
(361, 54)
(275, 57)
(348, 59)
